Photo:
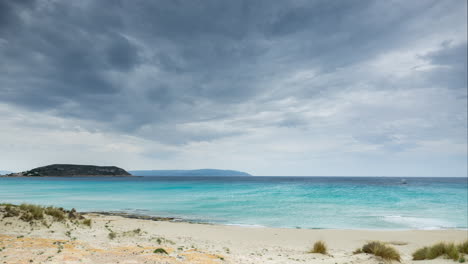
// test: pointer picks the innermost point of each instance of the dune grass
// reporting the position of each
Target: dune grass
(319, 247)
(380, 249)
(447, 250)
(11, 210)
(56, 213)
(421, 253)
(463, 247)
(32, 213)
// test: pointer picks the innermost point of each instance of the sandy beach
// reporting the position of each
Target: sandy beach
(116, 239)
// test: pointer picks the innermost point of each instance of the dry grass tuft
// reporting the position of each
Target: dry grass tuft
(421, 253)
(56, 213)
(448, 250)
(32, 212)
(87, 222)
(319, 247)
(380, 249)
(463, 247)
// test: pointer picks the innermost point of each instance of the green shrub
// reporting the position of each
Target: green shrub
(378, 248)
(319, 247)
(112, 235)
(160, 251)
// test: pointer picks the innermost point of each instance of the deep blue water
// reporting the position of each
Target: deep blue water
(305, 202)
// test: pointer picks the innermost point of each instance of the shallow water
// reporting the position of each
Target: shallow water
(296, 202)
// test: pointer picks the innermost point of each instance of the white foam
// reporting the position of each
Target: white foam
(246, 225)
(418, 222)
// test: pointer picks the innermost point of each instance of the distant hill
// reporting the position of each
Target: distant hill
(70, 170)
(202, 172)
(4, 172)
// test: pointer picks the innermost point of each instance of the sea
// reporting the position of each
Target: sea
(384, 203)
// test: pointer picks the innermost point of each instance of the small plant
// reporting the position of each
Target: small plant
(87, 222)
(379, 249)
(59, 246)
(160, 251)
(462, 259)
(56, 213)
(112, 235)
(449, 250)
(319, 247)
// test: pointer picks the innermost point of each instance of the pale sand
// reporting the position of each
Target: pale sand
(198, 243)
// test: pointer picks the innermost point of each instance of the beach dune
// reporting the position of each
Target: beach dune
(116, 239)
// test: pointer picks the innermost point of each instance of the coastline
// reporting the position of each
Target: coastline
(135, 239)
(174, 219)
(76, 176)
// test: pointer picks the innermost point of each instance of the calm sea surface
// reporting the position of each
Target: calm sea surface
(305, 202)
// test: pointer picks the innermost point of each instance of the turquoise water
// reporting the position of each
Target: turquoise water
(294, 202)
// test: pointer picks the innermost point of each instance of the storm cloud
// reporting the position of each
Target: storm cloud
(314, 84)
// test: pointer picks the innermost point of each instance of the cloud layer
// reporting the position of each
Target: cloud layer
(270, 87)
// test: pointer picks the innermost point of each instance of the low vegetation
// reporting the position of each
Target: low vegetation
(463, 247)
(442, 249)
(57, 213)
(112, 235)
(35, 213)
(319, 247)
(87, 222)
(380, 249)
(160, 251)
(134, 232)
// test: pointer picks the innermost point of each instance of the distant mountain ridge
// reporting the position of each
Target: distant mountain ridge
(4, 172)
(73, 170)
(201, 172)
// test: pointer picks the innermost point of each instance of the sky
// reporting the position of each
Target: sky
(299, 87)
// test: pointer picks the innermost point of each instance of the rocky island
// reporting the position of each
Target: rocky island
(72, 170)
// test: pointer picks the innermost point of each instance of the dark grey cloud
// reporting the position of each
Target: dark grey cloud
(146, 67)
(451, 61)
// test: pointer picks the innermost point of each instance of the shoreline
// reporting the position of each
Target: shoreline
(192, 221)
(129, 239)
(74, 176)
